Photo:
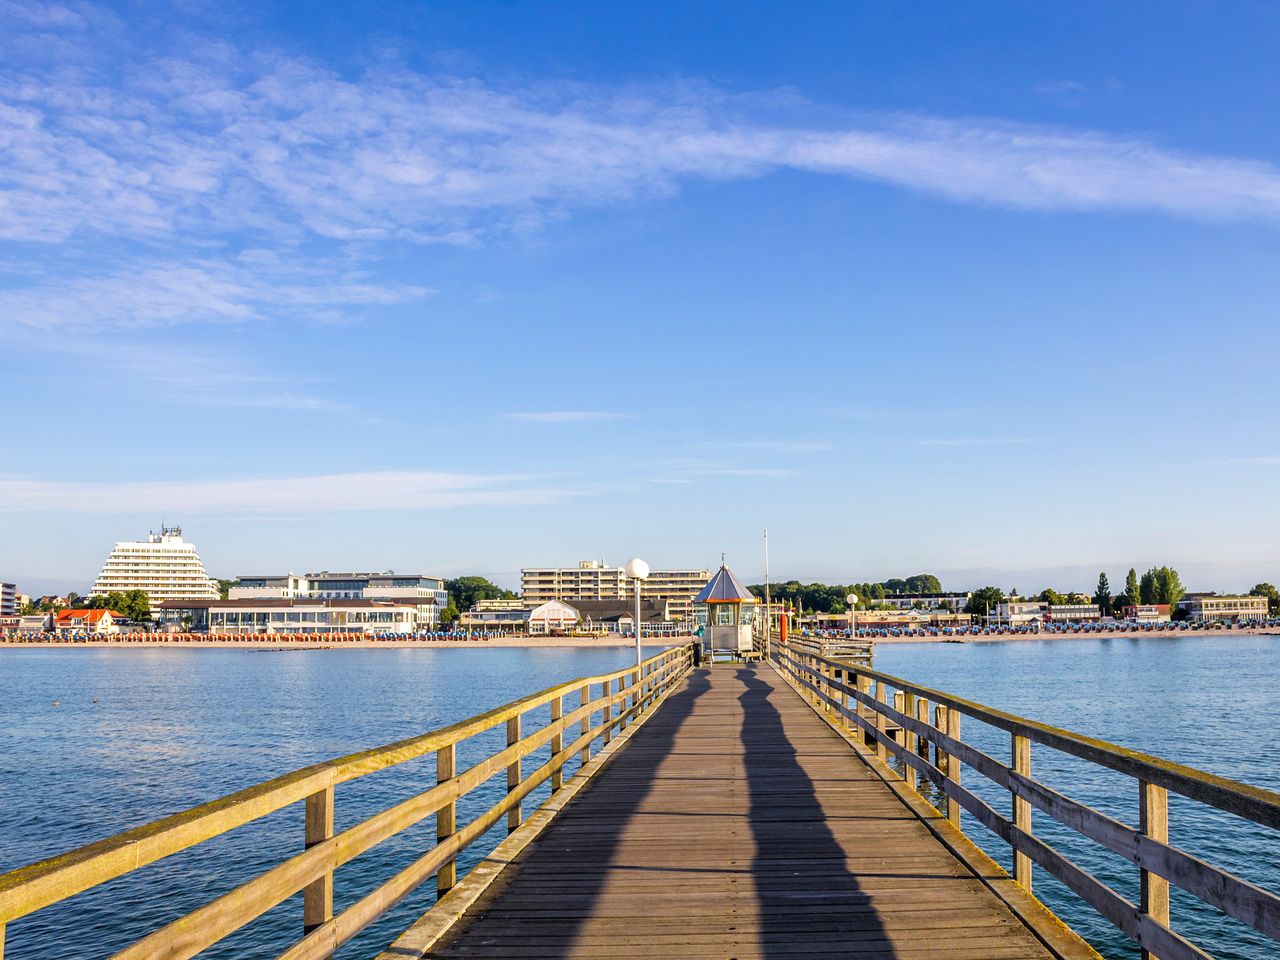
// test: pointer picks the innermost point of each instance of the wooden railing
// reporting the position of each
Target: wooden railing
(617, 698)
(870, 702)
(857, 650)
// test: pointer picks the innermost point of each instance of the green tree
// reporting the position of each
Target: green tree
(1102, 595)
(923, 583)
(1272, 595)
(224, 587)
(1147, 587)
(1052, 597)
(449, 614)
(465, 592)
(984, 600)
(1132, 592)
(1169, 587)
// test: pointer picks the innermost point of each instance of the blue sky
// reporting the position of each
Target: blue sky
(987, 290)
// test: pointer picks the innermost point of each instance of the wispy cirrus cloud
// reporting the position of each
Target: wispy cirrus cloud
(1241, 461)
(215, 140)
(156, 293)
(973, 442)
(343, 492)
(565, 416)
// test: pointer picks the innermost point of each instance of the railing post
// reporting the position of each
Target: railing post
(922, 714)
(953, 766)
(557, 743)
(446, 816)
(1022, 810)
(909, 739)
(882, 722)
(317, 896)
(1154, 822)
(606, 691)
(516, 814)
(584, 697)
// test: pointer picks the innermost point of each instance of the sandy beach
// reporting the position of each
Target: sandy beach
(1117, 635)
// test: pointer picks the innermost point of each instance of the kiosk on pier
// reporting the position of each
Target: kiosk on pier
(725, 611)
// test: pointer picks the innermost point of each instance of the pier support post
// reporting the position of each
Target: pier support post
(1022, 810)
(953, 766)
(606, 691)
(909, 739)
(516, 814)
(1154, 822)
(584, 697)
(557, 743)
(922, 714)
(446, 816)
(882, 722)
(317, 896)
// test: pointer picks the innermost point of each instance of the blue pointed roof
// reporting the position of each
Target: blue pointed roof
(724, 587)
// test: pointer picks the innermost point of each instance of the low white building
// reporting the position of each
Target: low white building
(416, 588)
(1014, 613)
(1224, 608)
(1074, 612)
(276, 615)
(953, 602)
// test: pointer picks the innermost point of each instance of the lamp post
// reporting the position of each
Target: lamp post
(852, 600)
(637, 570)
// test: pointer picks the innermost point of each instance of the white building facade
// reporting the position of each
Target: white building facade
(413, 588)
(596, 580)
(164, 567)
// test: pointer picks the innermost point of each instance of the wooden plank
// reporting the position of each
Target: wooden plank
(446, 816)
(737, 801)
(1021, 750)
(1153, 805)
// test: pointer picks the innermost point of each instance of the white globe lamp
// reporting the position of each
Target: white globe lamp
(852, 600)
(637, 570)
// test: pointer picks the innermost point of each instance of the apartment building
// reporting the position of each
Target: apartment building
(164, 567)
(596, 580)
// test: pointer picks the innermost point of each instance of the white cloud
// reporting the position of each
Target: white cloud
(1253, 461)
(155, 293)
(374, 490)
(974, 442)
(566, 416)
(216, 141)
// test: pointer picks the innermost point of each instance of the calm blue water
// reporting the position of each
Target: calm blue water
(143, 733)
(1208, 702)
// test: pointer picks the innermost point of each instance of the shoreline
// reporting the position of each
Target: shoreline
(1093, 635)
(571, 643)
(320, 644)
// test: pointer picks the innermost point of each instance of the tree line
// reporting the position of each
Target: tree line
(830, 597)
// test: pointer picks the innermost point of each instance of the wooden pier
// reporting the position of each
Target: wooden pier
(742, 810)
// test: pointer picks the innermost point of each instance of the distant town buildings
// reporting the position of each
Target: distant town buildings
(91, 622)
(164, 567)
(549, 617)
(1208, 606)
(277, 615)
(387, 585)
(596, 580)
(8, 600)
(953, 602)
(1146, 612)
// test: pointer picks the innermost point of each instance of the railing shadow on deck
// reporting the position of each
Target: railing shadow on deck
(542, 865)
(771, 760)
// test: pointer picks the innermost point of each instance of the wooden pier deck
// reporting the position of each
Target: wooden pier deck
(737, 823)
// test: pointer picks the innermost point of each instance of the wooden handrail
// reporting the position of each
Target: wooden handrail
(31, 888)
(842, 688)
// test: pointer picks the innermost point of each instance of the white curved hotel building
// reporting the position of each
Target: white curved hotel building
(164, 567)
